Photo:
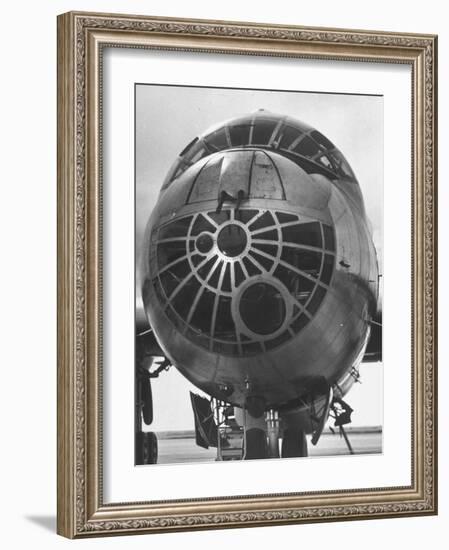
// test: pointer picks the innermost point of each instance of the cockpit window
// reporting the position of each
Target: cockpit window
(262, 131)
(188, 147)
(197, 152)
(289, 135)
(239, 135)
(217, 140)
(324, 160)
(342, 165)
(322, 140)
(242, 283)
(305, 146)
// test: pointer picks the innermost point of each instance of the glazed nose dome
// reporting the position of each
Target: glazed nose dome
(243, 282)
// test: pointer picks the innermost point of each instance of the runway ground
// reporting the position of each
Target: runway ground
(180, 447)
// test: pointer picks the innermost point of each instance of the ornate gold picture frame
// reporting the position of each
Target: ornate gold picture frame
(83, 39)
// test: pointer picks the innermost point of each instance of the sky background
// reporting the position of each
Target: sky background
(169, 117)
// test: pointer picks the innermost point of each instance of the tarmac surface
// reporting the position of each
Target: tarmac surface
(180, 447)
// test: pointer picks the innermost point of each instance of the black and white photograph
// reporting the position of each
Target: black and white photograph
(258, 253)
(221, 260)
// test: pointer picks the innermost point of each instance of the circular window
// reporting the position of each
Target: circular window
(232, 240)
(204, 243)
(262, 308)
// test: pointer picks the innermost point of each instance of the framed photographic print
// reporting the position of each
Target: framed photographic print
(247, 274)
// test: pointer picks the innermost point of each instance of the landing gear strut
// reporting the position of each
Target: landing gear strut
(147, 350)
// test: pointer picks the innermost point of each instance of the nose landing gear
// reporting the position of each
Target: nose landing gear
(147, 351)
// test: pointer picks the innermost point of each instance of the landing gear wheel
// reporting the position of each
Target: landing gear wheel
(147, 400)
(256, 444)
(294, 444)
(146, 448)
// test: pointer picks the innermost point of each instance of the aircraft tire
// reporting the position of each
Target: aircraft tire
(147, 400)
(256, 444)
(294, 444)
